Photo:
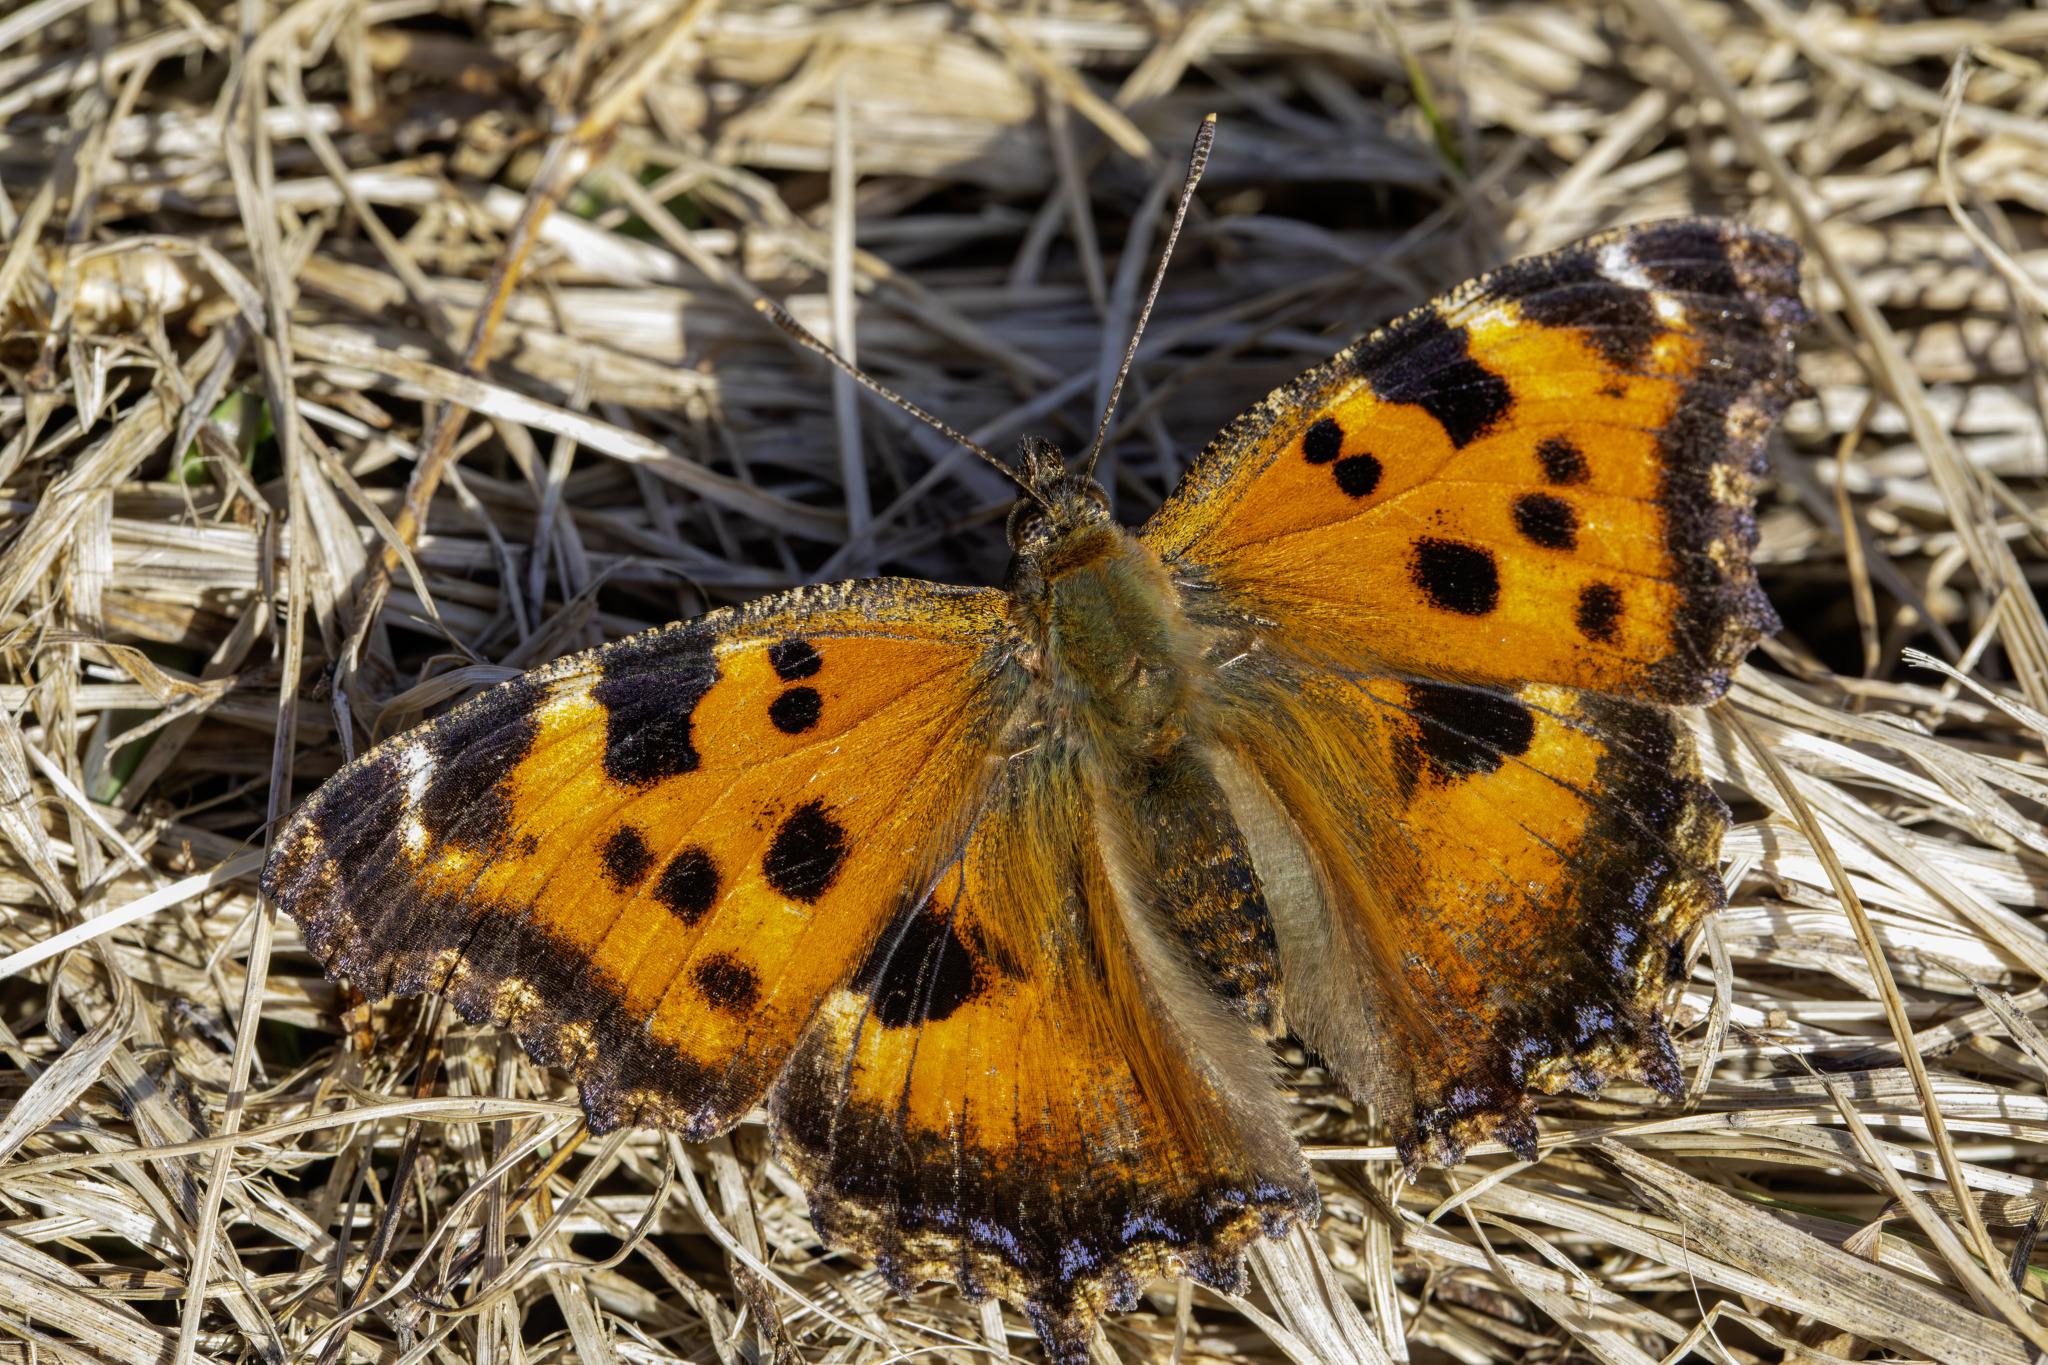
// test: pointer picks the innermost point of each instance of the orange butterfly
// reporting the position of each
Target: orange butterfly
(998, 896)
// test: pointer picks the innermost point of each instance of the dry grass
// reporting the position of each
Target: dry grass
(223, 367)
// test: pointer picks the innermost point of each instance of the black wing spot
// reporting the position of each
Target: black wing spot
(649, 690)
(1550, 522)
(796, 710)
(1563, 462)
(806, 855)
(1466, 730)
(1599, 612)
(1429, 362)
(925, 973)
(727, 983)
(1456, 577)
(688, 885)
(1358, 475)
(1323, 441)
(794, 659)
(626, 858)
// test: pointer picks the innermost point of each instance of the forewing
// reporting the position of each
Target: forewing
(654, 860)
(1545, 476)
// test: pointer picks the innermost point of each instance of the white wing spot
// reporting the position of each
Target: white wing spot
(419, 770)
(1619, 264)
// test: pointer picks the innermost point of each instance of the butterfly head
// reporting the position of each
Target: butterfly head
(1060, 507)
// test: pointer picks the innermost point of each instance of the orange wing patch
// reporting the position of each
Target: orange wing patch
(995, 1099)
(1547, 475)
(654, 860)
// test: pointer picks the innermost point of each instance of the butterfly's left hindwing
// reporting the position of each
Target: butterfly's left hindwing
(1013, 1095)
(654, 860)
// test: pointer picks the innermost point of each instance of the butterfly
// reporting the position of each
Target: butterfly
(998, 898)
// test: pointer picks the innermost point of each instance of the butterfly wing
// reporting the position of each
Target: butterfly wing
(1546, 475)
(654, 860)
(1475, 892)
(1024, 1092)
(815, 844)
(1458, 575)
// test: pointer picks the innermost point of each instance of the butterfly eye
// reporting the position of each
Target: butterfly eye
(1097, 496)
(1027, 521)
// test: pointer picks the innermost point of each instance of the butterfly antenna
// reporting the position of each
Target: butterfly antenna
(780, 316)
(1198, 161)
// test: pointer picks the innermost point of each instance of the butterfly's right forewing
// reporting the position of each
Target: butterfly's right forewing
(1546, 476)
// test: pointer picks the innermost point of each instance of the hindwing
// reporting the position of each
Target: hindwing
(1012, 1094)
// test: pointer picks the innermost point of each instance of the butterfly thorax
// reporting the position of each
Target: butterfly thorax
(1097, 609)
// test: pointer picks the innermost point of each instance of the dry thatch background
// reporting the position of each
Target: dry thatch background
(243, 255)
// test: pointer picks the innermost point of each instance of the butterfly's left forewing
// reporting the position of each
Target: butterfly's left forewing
(654, 860)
